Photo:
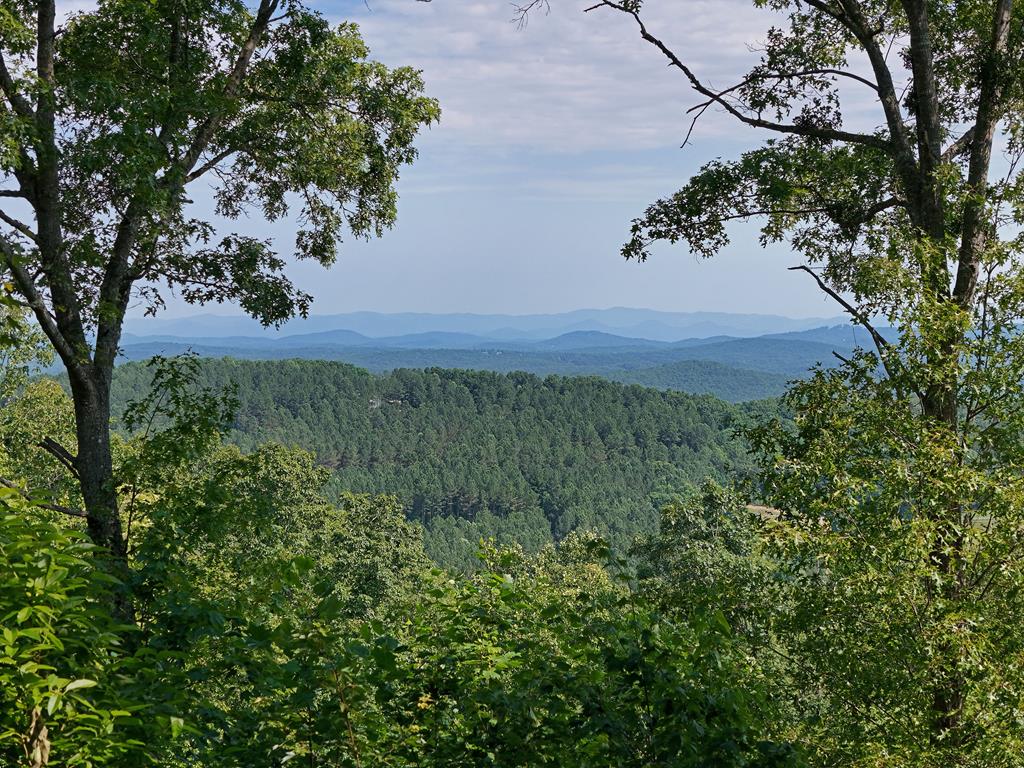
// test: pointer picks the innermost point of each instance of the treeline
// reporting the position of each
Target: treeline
(475, 455)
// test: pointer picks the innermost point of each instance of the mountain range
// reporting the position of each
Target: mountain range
(621, 321)
(737, 365)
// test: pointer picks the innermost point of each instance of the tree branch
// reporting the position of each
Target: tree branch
(210, 164)
(206, 131)
(974, 232)
(21, 227)
(115, 287)
(64, 297)
(522, 12)
(881, 344)
(852, 19)
(812, 131)
(19, 103)
(959, 146)
(26, 285)
(112, 293)
(926, 94)
(882, 205)
(70, 512)
(61, 453)
(783, 76)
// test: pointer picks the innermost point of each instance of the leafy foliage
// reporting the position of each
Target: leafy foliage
(309, 120)
(555, 664)
(273, 625)
(901, 565)
(72, 691)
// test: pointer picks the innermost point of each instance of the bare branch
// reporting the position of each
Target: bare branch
(210, 164)
(880, 206)
(813, 131)
(61, 453)
(20, 226)
(522, 12)
(701, 108)
(18, 102)
(784, 76)
(959, 146)
(881, 344)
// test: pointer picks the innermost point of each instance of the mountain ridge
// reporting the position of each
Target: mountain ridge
(656, 325)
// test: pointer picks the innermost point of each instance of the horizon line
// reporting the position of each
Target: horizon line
(469, 313)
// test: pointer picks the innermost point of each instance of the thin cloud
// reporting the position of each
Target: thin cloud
(570, 81)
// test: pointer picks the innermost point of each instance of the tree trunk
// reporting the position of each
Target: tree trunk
(947, 696)
(94, 464)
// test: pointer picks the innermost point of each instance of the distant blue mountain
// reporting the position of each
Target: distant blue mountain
(432, 340)
(636, 323)
(339, 337)
(595, 340)
(790, 357)
(731, 366)
(847, 336)
(699, 342)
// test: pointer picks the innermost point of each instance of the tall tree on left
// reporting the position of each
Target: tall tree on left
(111, 117)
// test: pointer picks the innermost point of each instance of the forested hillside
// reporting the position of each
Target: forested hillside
(735, 385)
(474, 454)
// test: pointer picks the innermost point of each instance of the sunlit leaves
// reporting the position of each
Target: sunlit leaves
(66, 687)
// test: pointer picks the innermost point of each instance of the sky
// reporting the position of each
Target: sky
(553, 138)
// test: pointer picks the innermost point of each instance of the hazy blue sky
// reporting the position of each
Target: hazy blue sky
(553, 137)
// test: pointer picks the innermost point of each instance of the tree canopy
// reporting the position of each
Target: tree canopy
(274, 624)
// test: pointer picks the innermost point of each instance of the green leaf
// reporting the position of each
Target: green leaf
(177, 726)
(82, 682)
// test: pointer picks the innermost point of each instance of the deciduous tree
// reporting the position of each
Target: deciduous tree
(112, 118)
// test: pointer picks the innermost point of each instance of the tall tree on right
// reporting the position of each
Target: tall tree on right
(901, 494)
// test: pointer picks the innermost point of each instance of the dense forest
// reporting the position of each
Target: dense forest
(478, 455)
